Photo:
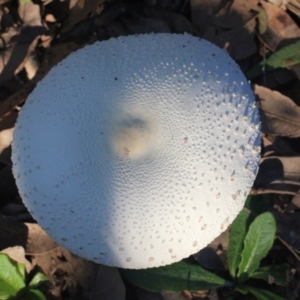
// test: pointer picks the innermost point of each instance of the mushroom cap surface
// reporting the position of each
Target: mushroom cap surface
(138, 151)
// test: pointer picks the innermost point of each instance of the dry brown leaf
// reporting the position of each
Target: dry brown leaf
(17, 253)
(21, 42)
(139, 24)
(236, 13)
(278, 175)
(238, 42)
(53, 55)
(233, 28)
(79, 11)
(280, 26)
(30, 13)
(203, 13)
(279, 114)
(176, 22)
(6, 137)
(38, 241)
(280, 3)
(278, 146)
(108, 285)
(296, 201)
(6, 130)
(294, 6)
(64, 269)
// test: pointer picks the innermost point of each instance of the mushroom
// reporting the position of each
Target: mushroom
(138, 151)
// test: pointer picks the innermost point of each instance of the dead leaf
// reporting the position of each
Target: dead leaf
(6, 138)
(280, 3)
(203, 12)
(278, 175)
(139, 24)
(296, 201)
(238, 42)
(280, 26)
(65, 270)
(30, 14)
(17, 253)
(79, 11)
(176, 22)
(294, 7)
(278, 146)
(279, 114)
(38, 241)
(21, 42)
(233, 28)
(52, 56)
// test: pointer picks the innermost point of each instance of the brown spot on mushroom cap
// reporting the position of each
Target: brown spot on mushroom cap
(130, 160)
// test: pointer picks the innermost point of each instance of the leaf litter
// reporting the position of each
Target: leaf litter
(262, 36)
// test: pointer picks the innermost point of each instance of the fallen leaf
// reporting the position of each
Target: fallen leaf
(278, 175)
(203, 12)
(52, 56)
(279, 114)
(139, 24)
(294, 6)
(65, 270)
(278, 146)
(30, 13)
(234, 28)
(280, 3)
(25, 37)
(175, 21)
(280, 26)
(38, 241)
(79, 11)
(17, 253)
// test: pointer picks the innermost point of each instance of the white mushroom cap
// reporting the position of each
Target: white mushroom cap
(138, 151)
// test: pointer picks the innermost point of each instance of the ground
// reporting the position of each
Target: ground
(261, 36)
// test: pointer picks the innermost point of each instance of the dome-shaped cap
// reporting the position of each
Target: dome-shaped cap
(138, 151)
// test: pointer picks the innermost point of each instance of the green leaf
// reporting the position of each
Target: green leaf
(276, 274)
(262, 20)
(285, 57)
(37, 280)
(241, 289)
(33, 294)
(261, 294)
(258, 242)
(176, 277)
(237, 235)
(11, 277)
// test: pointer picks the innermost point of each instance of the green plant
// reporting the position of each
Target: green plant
(285, 57)
(16, 284)
(250, 240)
